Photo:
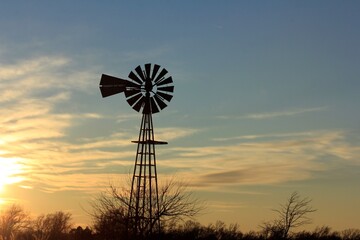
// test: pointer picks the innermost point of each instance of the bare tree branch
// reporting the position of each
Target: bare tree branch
(12, 220)
(176, 202)
(292, 214)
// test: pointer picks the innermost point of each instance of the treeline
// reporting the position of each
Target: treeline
(16, 224)
(221, 231)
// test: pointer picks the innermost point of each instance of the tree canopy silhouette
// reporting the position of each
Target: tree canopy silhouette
(110, 209)
(292, 214)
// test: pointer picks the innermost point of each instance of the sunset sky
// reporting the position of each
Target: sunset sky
(266, 102)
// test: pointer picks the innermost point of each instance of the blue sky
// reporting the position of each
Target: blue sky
(266, 103)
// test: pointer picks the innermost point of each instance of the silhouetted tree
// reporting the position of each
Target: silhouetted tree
(110, 209)
(12, 221)
(53, 226)
(292, 214)
(252, 236)
(350, 234)
(190, 230)
(110, 224)
(273, 230)
(81, 234)
(323, 232)
(222, 231)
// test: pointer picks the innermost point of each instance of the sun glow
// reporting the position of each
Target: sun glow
(9, 171)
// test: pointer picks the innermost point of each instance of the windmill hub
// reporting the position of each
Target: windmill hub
(148, 85)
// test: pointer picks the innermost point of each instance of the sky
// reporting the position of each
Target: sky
(265, 103)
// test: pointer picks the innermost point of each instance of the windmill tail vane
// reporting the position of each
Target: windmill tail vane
(148, 91)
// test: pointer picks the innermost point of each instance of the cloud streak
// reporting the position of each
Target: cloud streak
(264, 161)
(265, 136)
(31, 130)
(269, 115)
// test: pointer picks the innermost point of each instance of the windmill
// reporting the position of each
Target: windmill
(147, 91)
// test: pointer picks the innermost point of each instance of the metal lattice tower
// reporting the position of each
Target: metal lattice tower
(144, 200)
(147, 91)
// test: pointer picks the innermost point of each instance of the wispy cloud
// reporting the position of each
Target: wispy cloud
(268, 115)
(127, 117)
(174, 133)
(224, 206)
(267, 161)
(265, 136)
(31, 130)
(27, 68)
(48, 74)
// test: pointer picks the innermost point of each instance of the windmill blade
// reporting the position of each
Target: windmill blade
(160, 102)
(134, 77)
(140, 72)
(148, 98)
(162, 74)
(166, 81)
(134, 98)
(132, 85)
(130, 93)
(139, 104)
(147, 70)
(155, 70)
(154, 107)
(165, 96)
(166, 89)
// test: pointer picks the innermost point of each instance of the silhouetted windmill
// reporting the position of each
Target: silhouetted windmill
(147, 91)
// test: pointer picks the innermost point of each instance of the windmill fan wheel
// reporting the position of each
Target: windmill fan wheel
(150, 89)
